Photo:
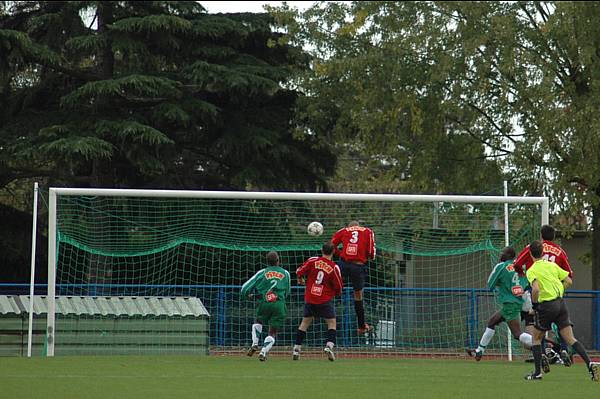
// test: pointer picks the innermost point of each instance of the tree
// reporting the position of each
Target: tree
(436, 87)
(378, 89)
(537, 65)
(142, 94)
(150, 94)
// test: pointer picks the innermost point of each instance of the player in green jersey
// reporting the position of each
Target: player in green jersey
(510, 294)
(272, 287)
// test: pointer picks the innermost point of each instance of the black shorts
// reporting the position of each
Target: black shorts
(552, 312)
(357, 273)
(527, 318)
(323, 310)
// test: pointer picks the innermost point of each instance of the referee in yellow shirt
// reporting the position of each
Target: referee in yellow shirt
(548, 282)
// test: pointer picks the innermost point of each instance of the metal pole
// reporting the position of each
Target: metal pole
(32, 282)
(50, 322)
(108, 192)
(545, 211)
(507, 243)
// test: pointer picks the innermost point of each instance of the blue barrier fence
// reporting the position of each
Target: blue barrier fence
(223, 303)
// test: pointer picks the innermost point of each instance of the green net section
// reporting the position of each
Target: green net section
(425, 291)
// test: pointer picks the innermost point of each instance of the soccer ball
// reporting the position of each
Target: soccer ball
(315, 229)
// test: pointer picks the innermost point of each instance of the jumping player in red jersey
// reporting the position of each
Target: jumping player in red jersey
(551, 252)
(358, 247)
(323, 283)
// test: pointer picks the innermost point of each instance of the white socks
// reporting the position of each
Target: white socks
(256, 331)
(486, 338)
(269, 342)
(526, 339)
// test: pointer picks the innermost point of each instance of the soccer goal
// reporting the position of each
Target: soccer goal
(425, 292)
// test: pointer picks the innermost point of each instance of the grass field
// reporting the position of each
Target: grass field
(243, 377)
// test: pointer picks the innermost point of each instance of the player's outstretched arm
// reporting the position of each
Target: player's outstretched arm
(336, 240)
(302, 271)
(563, 262)
(521, 261)
(494, 275)
(535, 292)
(338, 283)
(249, 285)
(372, 246)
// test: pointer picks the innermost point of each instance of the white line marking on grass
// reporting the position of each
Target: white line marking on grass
(214, 376)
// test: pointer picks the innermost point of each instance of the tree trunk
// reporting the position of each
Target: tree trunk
(106, 17)
(596, 247)
(105, 14)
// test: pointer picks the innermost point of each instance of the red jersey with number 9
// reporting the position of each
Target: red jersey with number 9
(323, 280)
(358, 244)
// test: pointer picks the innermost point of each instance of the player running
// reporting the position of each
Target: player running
(554, 253)
(548, 283)
(323, 283)
(358, 247)
(511, 296)
(272, 285)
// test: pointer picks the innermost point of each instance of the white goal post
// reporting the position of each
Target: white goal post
(54, 193)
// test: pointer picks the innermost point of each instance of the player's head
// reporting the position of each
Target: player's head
(272, 258)
(508, 253)
(353, 223)
(536, 249)
(548, 232)
(327, 248)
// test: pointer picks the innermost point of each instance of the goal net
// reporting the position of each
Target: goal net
(425, 293)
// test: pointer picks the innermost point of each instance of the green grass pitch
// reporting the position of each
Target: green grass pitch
(232, 377)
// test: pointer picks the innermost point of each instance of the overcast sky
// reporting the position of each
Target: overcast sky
(247, 6)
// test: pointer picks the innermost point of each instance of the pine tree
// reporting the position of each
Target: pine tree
(150, 94)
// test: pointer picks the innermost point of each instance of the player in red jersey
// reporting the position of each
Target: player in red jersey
(358, 247)
(323, 282)
(551, 252)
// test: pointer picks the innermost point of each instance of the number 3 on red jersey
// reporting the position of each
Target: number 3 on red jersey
(352, 247)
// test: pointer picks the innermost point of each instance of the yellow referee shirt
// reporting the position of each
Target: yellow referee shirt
(549, 277)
